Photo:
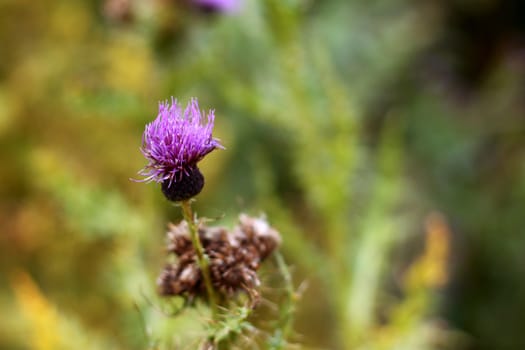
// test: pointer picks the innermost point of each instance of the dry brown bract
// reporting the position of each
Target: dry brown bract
(234, 258)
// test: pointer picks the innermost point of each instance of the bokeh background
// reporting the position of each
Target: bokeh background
(384, 139)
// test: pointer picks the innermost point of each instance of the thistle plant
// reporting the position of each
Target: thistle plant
(212, 264)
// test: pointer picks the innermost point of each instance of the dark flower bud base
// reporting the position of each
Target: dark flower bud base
(188, 186)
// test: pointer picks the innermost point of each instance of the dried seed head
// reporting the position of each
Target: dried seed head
(234, 258)
(259, 233)
(178, 239)
(175, 280)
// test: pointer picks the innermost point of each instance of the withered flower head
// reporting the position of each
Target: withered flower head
(234, 258)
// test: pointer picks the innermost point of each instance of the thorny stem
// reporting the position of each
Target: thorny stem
(202, 258)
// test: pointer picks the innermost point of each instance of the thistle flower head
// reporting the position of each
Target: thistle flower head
(174, 143)
(224, 6)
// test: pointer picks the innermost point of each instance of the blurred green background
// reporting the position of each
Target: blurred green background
(384, 139)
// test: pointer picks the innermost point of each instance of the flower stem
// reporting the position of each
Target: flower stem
(202, 258)
(287, 310)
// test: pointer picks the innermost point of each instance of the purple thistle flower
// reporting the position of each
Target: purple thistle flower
(225, 6)
(173, 144)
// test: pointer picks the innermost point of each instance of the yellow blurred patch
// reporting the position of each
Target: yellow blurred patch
(129, 65)
(69, 21)
(408, 326)
(39, 312)
(6, 111)
(47, 328)
(431, 268)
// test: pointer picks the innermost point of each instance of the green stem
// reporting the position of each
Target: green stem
(202, 258)
(288, 309)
